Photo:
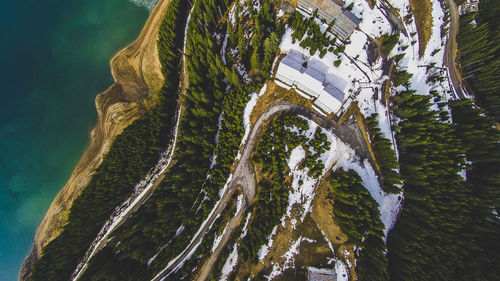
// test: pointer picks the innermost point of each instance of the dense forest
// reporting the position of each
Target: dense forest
(357, 214)
(175, 202)
(210, 133)
(425, 243)
(479, 54)
(481, 142)
(130, 157)
(448, 216)
(386, 156)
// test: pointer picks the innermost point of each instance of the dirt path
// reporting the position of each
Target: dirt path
(243, 176)
(451, 49)
(231, 227)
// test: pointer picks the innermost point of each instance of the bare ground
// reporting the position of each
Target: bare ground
(422, 9)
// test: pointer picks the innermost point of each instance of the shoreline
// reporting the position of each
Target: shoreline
(136, 70)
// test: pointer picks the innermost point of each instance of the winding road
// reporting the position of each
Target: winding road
(243, 176)
(451, 49)
(146, 187)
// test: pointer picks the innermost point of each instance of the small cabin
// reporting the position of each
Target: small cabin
(321, 274)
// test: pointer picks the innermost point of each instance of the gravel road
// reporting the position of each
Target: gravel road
(243, 176)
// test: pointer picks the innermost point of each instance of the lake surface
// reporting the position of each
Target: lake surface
(54, 60)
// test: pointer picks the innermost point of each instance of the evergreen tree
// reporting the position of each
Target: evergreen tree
(357, 214)
(482, 145)
(385, 155)
(426, 242)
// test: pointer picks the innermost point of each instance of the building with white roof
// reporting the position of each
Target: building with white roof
(311, 80)
(321, 274)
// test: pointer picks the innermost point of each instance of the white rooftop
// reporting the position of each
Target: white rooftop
(312, 77)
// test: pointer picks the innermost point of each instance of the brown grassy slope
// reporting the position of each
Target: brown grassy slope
(422, 10)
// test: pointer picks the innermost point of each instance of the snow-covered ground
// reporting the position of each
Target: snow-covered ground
(433, 55)
(245, 226)
(345, 157)
(389, 204)
(264, 250)
(303, 187)
(348, 72)
(373, 23)
(247, 113)
(230, 263)
(354, 75)
(341, 269)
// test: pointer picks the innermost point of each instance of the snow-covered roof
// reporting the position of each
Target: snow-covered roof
(334, 92)
(294, 60)
(345, 22)
(312, 78)
(327, 103)
(320, 274)
(348, 14)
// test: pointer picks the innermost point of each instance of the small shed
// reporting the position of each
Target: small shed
(321, 274)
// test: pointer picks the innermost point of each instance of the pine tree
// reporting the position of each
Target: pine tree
(357, 214)
(426, 242)
(482, 144)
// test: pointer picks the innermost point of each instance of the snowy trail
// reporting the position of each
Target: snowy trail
(143, 189)
(141, 192)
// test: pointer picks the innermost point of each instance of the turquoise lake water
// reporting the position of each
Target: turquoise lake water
(54, 60)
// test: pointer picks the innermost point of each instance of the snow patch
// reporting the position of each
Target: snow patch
(245, 226)
(264, 250)
(247, 113)
(289, 255)
(389, 204)
(373, 23)
(341, 271)
(230, 263)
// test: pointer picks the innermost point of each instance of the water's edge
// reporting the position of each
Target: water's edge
(104, 117)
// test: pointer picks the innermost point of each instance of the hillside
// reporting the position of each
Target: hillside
(291, 139)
